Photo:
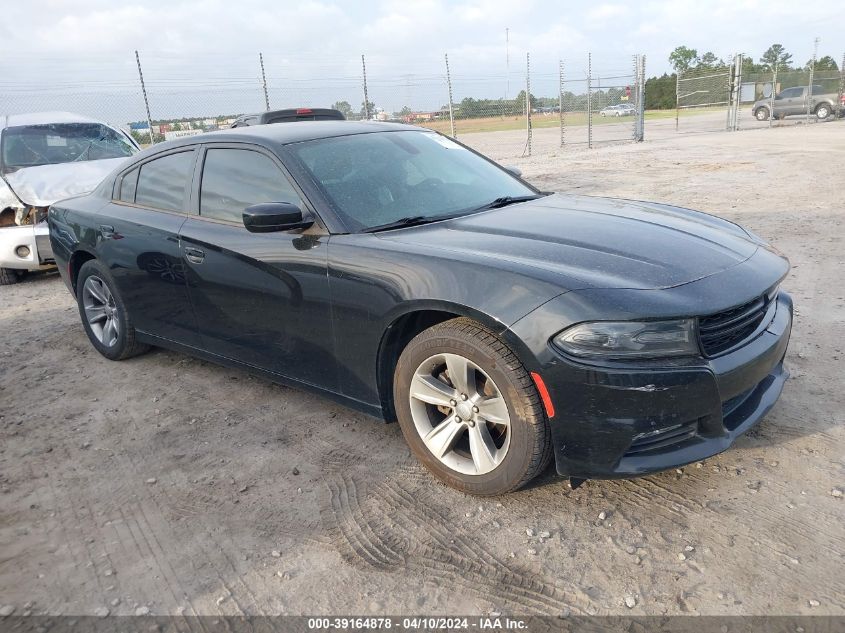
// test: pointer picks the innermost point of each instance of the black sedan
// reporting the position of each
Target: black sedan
(403, 274)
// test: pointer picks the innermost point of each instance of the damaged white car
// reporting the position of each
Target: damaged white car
(46, 157)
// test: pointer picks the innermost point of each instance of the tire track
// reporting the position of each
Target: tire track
(474, 557)
(350, 529)
(371, 533)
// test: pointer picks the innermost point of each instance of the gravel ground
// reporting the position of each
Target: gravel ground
(168, 485)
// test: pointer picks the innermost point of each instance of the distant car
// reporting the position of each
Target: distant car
(793, 101)
(401, 273)
(46, 157)
(289, 115)
(623, 109)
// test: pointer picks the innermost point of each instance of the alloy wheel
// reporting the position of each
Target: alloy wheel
(460, 414)
(101, 311)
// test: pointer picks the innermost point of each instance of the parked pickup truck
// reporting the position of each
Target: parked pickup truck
(794, 101)
(45, 157)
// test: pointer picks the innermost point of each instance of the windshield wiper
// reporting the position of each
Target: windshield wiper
(506, 200)
(414, 220)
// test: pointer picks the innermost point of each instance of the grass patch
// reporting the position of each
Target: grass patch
(539, 121)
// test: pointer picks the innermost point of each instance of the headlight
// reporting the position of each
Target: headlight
(630, 339)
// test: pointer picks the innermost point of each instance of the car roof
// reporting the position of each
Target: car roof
(285, 133)
(44, 118)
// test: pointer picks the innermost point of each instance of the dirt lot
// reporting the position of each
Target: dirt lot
(178, 486)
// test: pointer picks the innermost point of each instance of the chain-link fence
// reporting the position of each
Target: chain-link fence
(534, 106)
(601, 102)
(703, 98)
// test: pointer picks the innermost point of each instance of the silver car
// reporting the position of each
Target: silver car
(623, 109)
(46, 157)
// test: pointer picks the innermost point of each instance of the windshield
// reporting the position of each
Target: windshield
(378, 178)
(33, 145)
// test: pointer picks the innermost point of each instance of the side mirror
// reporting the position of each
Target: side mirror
(269, 217)
(516, 171)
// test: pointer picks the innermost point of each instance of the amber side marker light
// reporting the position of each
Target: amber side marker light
(544, 394)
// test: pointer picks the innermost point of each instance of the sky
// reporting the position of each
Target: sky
(203, 54)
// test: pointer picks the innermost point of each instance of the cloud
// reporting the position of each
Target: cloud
(206, 51)
(604, 12)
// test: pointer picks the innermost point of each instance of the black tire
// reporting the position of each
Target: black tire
(823, 111)
(761, 114)
(9, 276)
(530, 448)
(126, 344)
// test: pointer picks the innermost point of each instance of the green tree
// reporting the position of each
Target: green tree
(776, 55)
(660, 92)
(405, 111)
(519, 102)
(749, 66)
(683, 58)
(825, 63)
(709, 60)
(343, 107)
(369, 107)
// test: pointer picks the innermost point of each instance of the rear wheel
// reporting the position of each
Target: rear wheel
(104, 315)
(822, 112)
(469, 410)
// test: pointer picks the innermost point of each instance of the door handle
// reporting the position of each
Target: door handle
(194, 255)
(107, 231)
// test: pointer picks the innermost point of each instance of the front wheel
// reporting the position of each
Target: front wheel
(469, 409)
(9, 276)
(761, 114)
(104, 315)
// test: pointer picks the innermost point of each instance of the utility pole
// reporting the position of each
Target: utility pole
(366, 98)
(560, 100)
(146, 102)
(507, 64)
(449, 86)
(839, 103)
(589, 101)
(264, 82)
(812, 72)
(677, 97)
(528, 99)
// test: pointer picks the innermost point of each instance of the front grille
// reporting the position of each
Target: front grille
(722, 331)
(662, 438)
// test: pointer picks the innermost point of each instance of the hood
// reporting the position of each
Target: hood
(588, 242)
(43, 185)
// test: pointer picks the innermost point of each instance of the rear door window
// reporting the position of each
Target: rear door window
(162, 183)
(128, 184)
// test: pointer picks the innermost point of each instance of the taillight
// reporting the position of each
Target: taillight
(304, 111)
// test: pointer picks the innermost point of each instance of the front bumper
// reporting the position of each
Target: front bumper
(36, 238)
(625, 421)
